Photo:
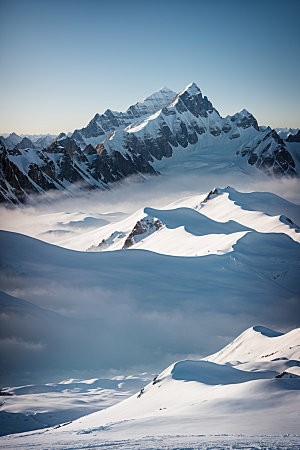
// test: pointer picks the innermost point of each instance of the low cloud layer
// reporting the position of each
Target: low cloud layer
(58, 215)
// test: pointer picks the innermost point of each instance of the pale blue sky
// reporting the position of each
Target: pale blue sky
(63, 61)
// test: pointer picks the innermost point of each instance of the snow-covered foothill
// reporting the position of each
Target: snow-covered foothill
(199, 401)
(204, 224)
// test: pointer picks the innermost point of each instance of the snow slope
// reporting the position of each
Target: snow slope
(99, 302)
(35, 406)
(195, 226)
(192, 401)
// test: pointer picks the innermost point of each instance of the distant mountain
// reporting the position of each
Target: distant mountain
(39, 140)
(44, 140)
(294, 137)
(11, 141)
(101, 126)
(24, 143)
(191, 122)
(284, 133)
(151, 137)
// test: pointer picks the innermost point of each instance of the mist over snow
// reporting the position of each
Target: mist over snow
(59, 215)
(149, 235)
(95, 312)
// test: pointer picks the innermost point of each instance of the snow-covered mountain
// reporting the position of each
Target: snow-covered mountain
(162, 133)
(190, 124)
(247, 388)
(284, 133)
(39, 140)
(101, 126)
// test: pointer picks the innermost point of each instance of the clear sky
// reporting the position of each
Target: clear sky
(63, 61)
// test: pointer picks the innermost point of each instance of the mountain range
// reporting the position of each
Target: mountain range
(151, 137)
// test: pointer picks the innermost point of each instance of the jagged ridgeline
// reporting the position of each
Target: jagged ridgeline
(142, 140)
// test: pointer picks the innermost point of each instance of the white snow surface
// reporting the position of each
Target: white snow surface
(192, 227)
(215, 264)
(36, 406)
(208, 403)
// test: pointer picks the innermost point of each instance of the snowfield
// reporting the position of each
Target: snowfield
(200, 403)
(131, 291)
(35, 406)
(196, 226)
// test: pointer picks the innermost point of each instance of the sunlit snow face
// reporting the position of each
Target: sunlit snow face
(112, 323)
(56, 210)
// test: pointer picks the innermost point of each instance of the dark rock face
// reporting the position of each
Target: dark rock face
(212, 194)
(195, 103)
(272, 158)
(145, 227)
(294, 137)
(215, 131)
(245, 120)
(188, 120)
(14, 184)
(61, 163)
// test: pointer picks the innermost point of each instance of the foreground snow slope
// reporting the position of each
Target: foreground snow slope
(194, 398)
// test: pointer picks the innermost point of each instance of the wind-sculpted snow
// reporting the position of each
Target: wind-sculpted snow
(266, 202)
(203, 403)
(195, 226)
(194, 222)
(94, 305)
(266, 331)
(213, 374)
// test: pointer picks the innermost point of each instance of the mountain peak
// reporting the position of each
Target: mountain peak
(13, 135)
(159, 99)
(61, 136)
(192, 89)
(25, 143)
(245, 112)
(165, 89)
(190, 98)
(244, 119)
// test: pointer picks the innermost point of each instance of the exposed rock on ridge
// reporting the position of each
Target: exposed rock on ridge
(136, 141)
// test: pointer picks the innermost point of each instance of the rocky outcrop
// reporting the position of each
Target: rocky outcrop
(136, 141)
(142, 229)
(189, 120)
(270, 155)
(62, 163)
(212, 194)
